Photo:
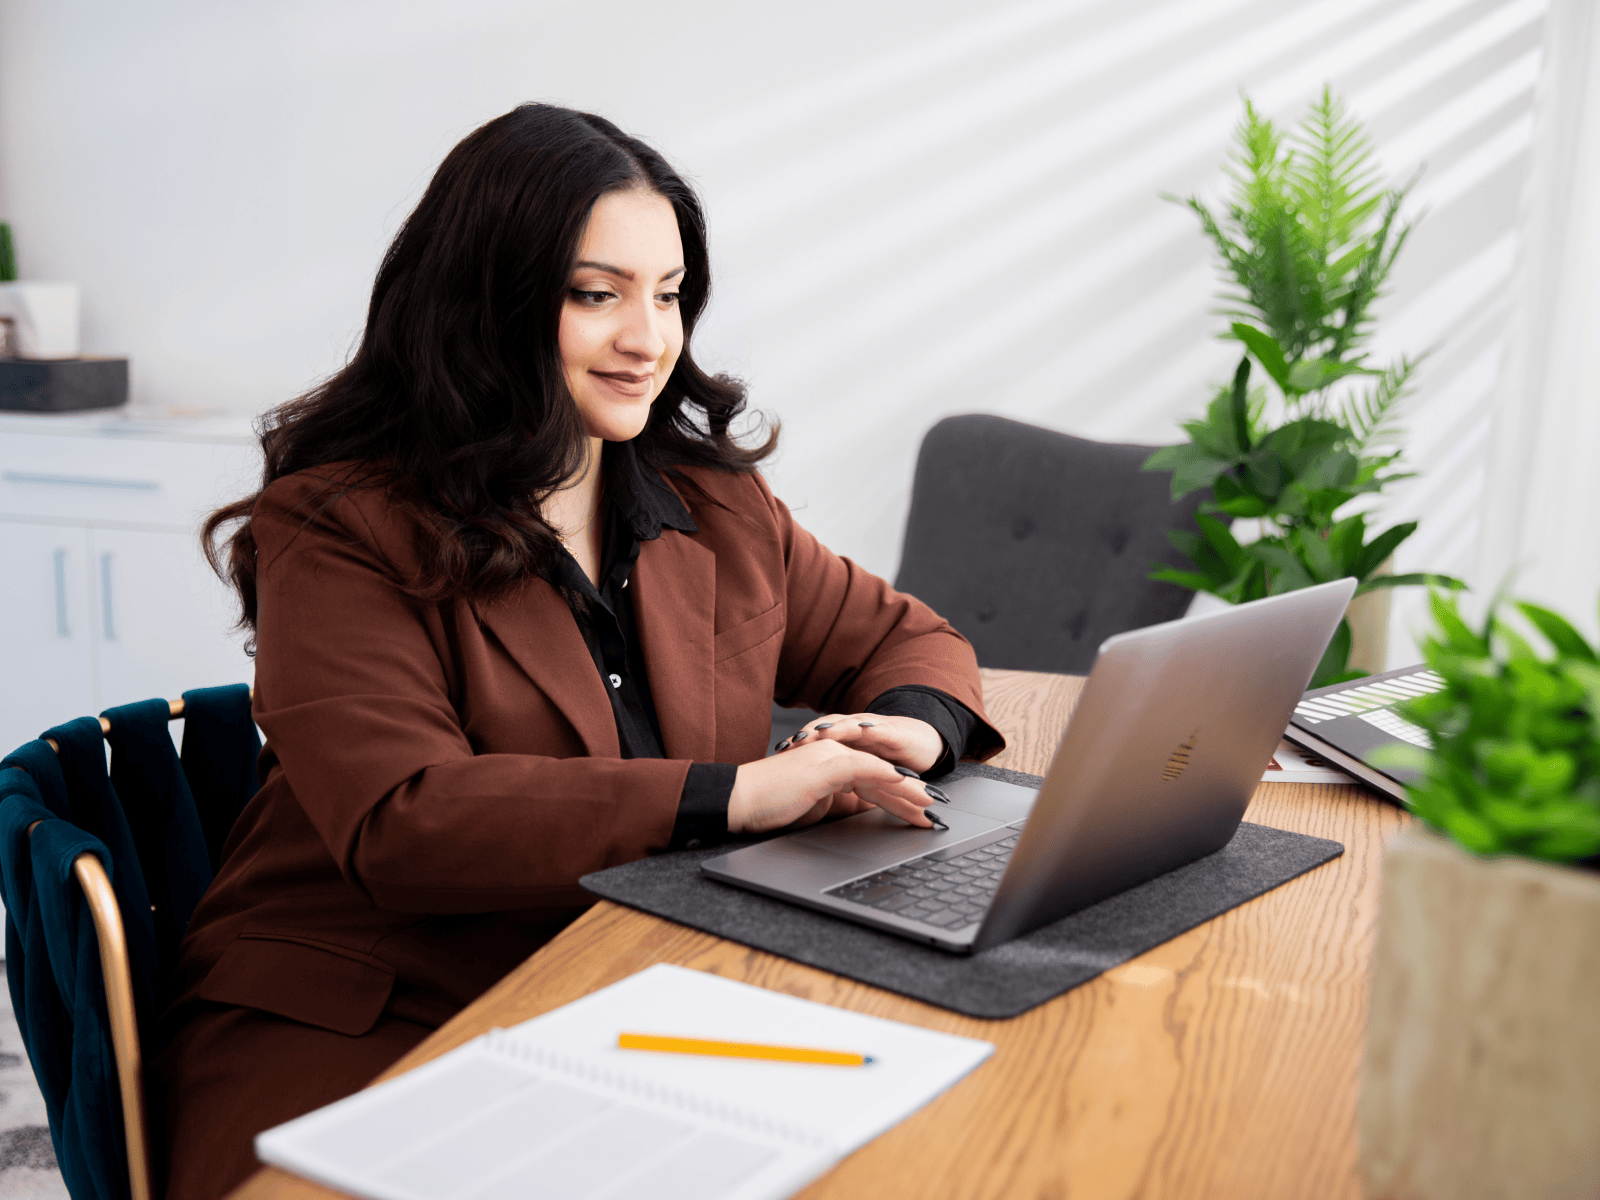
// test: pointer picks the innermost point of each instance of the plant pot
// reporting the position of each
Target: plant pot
(1368, 615)
(42, 319)
(1482, 1075)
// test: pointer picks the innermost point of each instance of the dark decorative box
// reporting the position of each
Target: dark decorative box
(62, 385)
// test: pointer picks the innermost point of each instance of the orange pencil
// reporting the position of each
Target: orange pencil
(681, 1045)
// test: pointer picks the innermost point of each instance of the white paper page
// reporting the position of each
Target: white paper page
(484, 1124)
(852, 1104)
(1290, 764)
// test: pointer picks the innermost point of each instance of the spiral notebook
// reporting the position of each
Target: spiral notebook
(552, 1108)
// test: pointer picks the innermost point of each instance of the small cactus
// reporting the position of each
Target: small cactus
(8, 255)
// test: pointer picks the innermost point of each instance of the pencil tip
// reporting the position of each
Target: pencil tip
(865, 1059)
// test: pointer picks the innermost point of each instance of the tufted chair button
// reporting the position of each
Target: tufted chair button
(1075, 624)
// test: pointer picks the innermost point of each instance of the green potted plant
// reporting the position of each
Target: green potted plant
(1482, 1072)
(40, 367)
(1309, 239)
(8, 254)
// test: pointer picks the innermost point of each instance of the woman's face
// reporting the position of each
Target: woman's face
(621, 331)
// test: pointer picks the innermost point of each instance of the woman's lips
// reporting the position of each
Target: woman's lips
(625, 382)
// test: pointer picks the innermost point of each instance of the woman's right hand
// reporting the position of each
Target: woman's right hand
(821, 779)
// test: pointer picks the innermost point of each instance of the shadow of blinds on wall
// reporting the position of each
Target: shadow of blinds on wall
(1541, 502)
(974, 223)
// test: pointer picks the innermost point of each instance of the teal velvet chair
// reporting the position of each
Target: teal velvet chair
(101, 872)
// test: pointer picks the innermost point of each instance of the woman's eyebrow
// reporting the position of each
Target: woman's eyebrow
(606, 267)
(619, 271)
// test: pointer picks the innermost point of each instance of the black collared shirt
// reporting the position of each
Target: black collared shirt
(636, 507)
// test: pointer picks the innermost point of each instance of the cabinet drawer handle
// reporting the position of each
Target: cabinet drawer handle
(62, 629)
(92, 481)
(105, 597)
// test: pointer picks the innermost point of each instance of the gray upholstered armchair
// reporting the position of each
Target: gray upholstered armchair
(1035, 544)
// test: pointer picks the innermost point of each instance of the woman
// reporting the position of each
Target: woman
(521, 605)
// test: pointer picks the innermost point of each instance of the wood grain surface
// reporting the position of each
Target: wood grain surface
(1224, 1063)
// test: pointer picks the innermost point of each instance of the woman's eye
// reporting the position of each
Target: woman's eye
(668, 297)
(593, 299)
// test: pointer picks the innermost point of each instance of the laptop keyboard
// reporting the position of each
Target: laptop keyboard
(1373, 703)
(948, 892)
(1360, 698)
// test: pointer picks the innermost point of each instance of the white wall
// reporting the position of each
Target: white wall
(916, 209)
(1541, 508)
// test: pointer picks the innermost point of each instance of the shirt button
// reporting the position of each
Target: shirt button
(616, 680)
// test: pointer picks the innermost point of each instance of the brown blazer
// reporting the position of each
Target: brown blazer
(438, 776)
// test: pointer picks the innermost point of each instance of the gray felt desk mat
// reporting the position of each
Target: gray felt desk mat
(1004, 981)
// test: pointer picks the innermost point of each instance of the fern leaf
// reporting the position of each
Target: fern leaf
(1370, 415)
(1369, 276)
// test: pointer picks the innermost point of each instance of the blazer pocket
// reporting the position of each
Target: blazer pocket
(311, 982)
(748, 634)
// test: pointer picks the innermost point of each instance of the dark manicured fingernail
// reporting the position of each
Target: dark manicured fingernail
(866, 724)
(908, 773)
(799, 737)
(824, 725)
(783, 745)
(936, 822)
(936, 793)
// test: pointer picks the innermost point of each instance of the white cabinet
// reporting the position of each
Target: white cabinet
(162, 618)
(44, 607)
(105, 597)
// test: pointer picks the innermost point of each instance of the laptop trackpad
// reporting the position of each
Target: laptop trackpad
(1003, 802)
(875, 837)
(799, 867)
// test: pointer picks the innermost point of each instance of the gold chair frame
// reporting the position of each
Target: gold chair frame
(96, 885)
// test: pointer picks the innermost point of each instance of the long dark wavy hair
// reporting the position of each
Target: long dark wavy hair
(456, 399)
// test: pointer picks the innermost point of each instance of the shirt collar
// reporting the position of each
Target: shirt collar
(641, 496)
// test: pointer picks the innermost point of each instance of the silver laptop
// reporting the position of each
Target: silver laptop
(1168, 742)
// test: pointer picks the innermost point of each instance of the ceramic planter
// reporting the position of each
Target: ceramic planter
(1482, 1073)
(1368, 615)
(43, 318)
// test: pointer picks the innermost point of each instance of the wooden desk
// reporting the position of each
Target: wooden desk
(1224, 1063)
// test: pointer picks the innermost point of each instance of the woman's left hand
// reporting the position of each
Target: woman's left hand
(904, 741)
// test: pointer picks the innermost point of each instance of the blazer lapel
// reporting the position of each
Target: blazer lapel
(674, 588)
(537, 629)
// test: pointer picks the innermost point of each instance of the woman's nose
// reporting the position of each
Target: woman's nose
(641, 335)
